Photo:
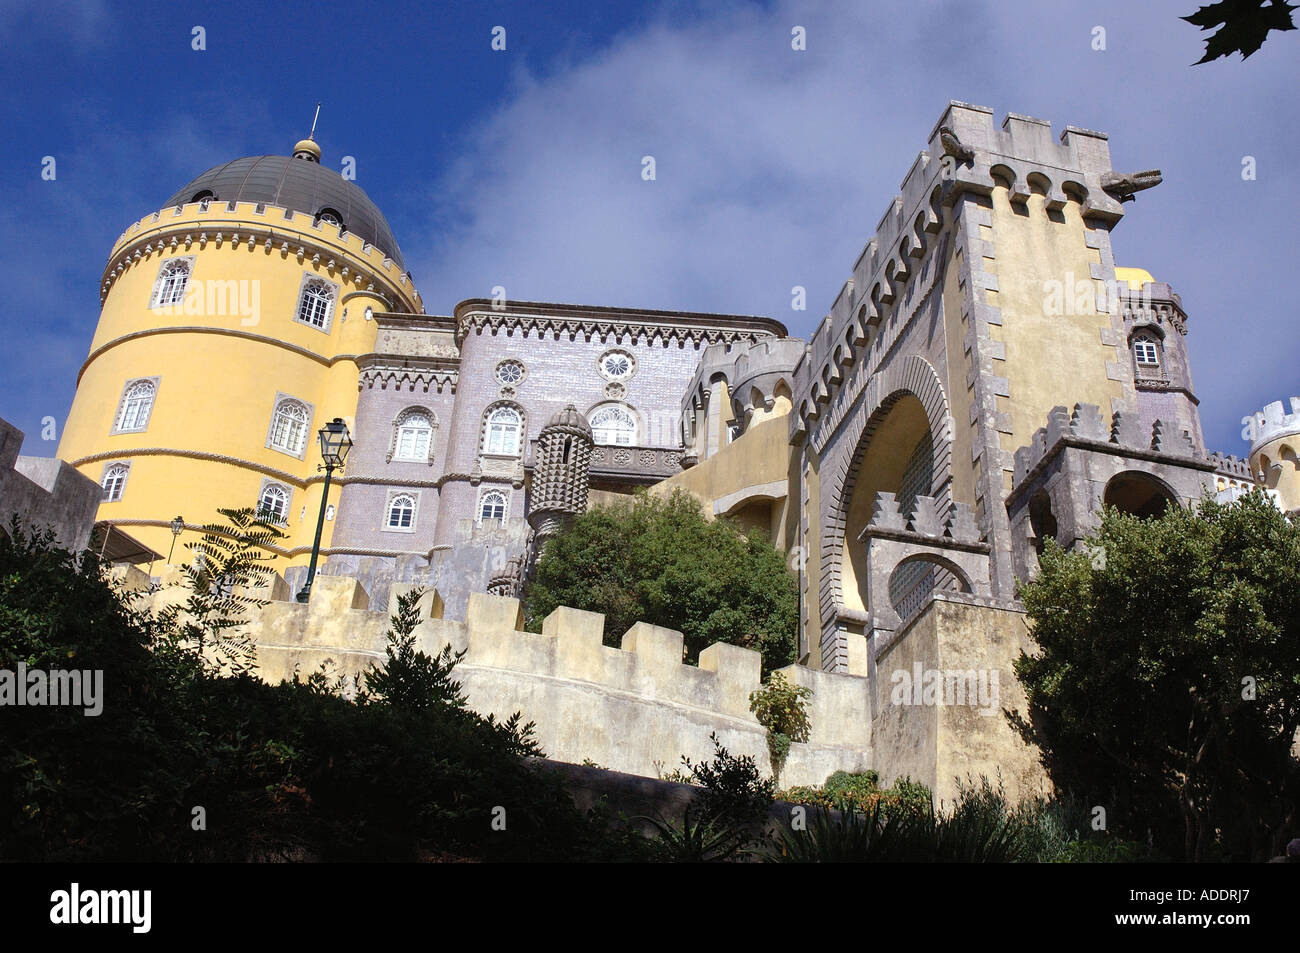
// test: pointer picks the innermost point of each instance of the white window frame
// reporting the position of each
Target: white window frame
(392, 497)
(483, 496)
(283, 518)
(280, 399)
(615, 408)
(311, 283)
(122, 406)
(174, 295)
(1146, 345)
(400, 423)
(119, 488)
(500, 450)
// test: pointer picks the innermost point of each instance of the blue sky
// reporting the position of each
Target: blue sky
(522, 168)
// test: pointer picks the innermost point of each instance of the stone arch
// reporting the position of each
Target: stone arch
(911, 377)
(913, 579)
(1139, 494)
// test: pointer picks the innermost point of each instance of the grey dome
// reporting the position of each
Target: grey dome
(298, 184)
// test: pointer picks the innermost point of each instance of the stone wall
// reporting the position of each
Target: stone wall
(45, 491)
(637, 709)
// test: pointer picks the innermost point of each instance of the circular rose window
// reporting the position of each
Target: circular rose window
(617, 365)
(510, 373)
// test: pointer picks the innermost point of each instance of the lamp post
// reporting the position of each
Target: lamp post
(334, 446)
(178, 527)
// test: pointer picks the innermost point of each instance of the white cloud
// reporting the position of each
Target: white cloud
(774, 166)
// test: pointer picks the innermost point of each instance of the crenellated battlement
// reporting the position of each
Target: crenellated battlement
(626, 707)
(967, 156)
(1086, 425)
(269, 229)
(1272, 423)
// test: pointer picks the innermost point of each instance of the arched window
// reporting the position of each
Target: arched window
(330, 216)
(401, 512)
(316, 303)
(114, 482)
(412, 436)
(169, 289)
(613, 426)
(137, 404)
(1146, 350)
(502, 431)
(273, 504)
(492, 506)
(289, 426)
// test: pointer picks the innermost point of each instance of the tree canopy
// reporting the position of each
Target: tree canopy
(1166, 688)
(661, 561)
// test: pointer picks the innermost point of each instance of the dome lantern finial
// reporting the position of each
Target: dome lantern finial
(307, 148)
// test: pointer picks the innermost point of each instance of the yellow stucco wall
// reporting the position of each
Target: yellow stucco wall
(757, 459)
(1051, 358)
(221, 357)
(1279, 460)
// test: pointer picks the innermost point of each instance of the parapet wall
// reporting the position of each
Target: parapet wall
(635, 708)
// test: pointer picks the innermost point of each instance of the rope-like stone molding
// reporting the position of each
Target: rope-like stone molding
(289, 552)
(228, 332)
(126, 453)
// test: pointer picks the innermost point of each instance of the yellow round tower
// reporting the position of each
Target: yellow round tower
(230, 327)
(1274, 435)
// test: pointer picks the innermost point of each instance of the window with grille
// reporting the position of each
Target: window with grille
(137, 404)
(401, 512)
(613, 426)
(289, 427)
(273, 504)
(492, 506)
(169, 289)
(114, 482)
(316, 303)
(503, 428)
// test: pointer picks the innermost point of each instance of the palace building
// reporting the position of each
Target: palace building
(960, 401)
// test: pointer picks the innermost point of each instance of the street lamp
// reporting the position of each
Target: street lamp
(178, 527)
(334, 446)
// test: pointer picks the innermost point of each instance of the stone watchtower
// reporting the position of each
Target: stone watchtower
(560, 474)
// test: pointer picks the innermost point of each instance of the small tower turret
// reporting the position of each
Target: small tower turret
(560, 474)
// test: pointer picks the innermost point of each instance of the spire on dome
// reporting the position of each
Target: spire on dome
(307, 148)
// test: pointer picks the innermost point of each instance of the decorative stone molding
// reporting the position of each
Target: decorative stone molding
(412, 374)
(128, 251)
(611, 325)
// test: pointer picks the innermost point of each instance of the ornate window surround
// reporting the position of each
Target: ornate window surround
(176, 297)
(121, 405)
(500, 374)
(389, 499)
(309, 279)
(120, 489)
(638, 429)
(287, 492)
(398, 421)
(616, 352)
(280, 398)
(483, 495)
(484, 435)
